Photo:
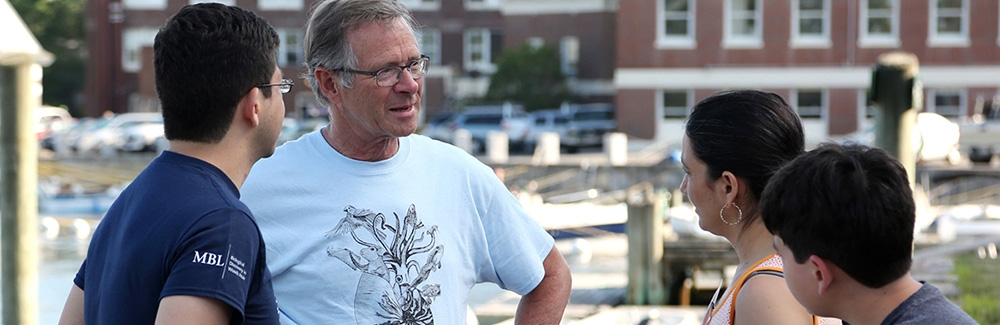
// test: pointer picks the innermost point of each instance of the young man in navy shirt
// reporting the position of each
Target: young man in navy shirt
(178, 246)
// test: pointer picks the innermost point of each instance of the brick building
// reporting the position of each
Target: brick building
(462, 37)
(817, 54)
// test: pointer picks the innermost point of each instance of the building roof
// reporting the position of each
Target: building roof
(19, 45)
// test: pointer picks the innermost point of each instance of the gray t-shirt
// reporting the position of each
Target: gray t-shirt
(928, 306)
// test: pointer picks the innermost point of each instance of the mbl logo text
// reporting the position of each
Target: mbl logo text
(208, 258)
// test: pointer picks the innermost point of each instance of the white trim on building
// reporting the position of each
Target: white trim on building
(795, 77)
(549, 7)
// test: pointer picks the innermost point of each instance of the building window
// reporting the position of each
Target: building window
(810, 23)
(290, 49)
(674, 103)
(145, 4)
(481, 49)
(535, 42)
(482, 4)
(675, 23)
(947, 102)
(948, 23)
(225, 2)
(743, 24)
(879, 23)
(293, 5)
(430, 44)
(569, 54)
(810, 103)
(133, 40)
(422, 5)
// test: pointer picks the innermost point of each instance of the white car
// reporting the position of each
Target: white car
(111, 136)
(141, 136)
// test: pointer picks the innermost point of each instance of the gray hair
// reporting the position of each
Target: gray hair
(325, 43)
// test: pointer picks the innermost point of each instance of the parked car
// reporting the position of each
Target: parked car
(587, 125)
(49, 120)
(292, 129)
(141, 136)
(439, 127)
(109, 134)
(480, 120)
(549, 120)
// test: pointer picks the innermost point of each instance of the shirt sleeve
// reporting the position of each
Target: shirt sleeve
(81, 276)
(216, 259)
(517, 243)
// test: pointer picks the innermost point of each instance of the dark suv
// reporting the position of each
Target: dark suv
(480, 120)
(587, 125)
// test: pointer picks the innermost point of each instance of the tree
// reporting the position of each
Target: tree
(58, 26)
(531, 76)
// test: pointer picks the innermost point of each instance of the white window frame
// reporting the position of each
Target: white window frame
(144, 4)
(661, 108)
(962, 94)
(475, 5)
(422, 5)
(664, 41)
(485, 65)
(569, 55)
(824, 103)
(134, 39)
(284, 48)
(755, 41)
(276, 5)
(810, 41)
(433, 50)
(225, 2)
(868, 40)
(935, 39)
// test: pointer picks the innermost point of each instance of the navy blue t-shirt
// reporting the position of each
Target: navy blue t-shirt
(177, 229)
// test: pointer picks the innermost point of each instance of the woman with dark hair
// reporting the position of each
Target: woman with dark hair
(734, 141)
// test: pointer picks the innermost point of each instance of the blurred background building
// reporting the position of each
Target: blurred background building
(652, 59)
(463, 38)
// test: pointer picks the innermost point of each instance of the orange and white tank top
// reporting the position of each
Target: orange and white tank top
(725, 312)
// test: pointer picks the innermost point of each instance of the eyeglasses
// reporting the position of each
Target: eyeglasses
(389, 76)
(285, 86)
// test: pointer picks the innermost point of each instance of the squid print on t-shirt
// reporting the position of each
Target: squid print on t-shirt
(395, 259)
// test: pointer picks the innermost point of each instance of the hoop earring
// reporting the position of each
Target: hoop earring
(724, 218)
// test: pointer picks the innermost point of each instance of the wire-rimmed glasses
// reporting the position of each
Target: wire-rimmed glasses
(389, 76)
(285, 86)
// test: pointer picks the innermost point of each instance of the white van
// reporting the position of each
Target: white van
(50, 119)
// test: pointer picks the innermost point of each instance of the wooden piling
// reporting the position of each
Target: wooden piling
(645, 246)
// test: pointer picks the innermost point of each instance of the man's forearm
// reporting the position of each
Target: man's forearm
(547, 302)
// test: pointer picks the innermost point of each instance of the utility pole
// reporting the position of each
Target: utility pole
(898, 95)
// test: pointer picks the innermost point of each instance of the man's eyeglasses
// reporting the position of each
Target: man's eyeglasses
(285, 86)
(389, 76)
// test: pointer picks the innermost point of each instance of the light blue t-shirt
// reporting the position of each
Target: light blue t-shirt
(361, 242)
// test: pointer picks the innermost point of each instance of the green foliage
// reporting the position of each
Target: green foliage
(980, 290)
(58, 26)
(530, 76)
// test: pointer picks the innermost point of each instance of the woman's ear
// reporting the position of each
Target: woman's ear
(730, 185)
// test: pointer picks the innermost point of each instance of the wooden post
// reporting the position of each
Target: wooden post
(645, 246)
(897, 92)
(18, 200)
